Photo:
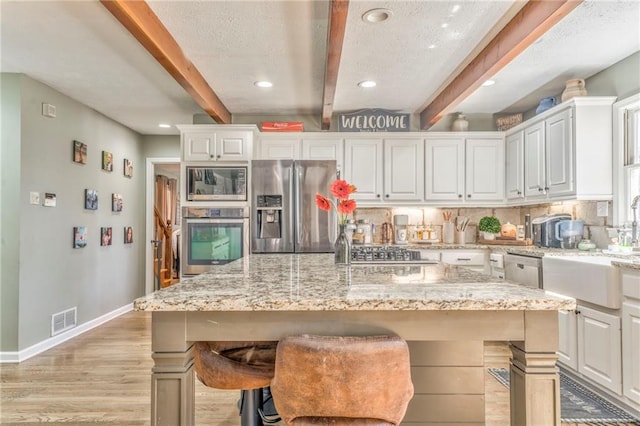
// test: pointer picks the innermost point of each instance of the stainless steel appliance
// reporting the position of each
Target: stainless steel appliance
(216, 183)
(285, 218)
(544, 234)
(389, 255)
(213, 236)
(524, 270)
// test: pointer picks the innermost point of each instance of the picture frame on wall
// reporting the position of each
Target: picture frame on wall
(116, 202)
(79, 152)
(79, 236)
(91, 199)
(128, 168)
(128, 235)
(107, 161)
(105, 236)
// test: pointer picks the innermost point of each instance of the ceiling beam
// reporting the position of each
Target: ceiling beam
(335, 38)
(533, 20)
(144, 25)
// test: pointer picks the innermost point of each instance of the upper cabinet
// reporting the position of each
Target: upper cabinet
(566, 152)
(216, 142)
(301, 146)
(465, 168)
(385, 169)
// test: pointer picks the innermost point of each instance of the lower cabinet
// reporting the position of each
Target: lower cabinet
(568, 344)
(631, 349)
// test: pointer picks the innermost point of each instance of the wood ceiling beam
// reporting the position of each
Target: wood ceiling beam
(335, 39)
(533, 20)
(144, 25)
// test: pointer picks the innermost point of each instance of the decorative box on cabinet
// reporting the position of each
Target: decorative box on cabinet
(567, 153)
(465, 168)
(216, 142)
(385, 168)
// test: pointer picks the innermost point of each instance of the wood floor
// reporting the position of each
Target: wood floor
(103, 377)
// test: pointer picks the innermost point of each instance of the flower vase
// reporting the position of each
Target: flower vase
(342, 248)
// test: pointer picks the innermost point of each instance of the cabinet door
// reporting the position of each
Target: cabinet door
(484, 170)
(279, 149)
(568, 339)
(534, 169)
(444, 169)
(515, 166)
(233, 146)
(363, 159)
(599, 348)
(199, 146)
(324, 149)
(559, 158)
(404, 169)
(631, 349)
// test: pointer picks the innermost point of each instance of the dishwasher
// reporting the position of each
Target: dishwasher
(524, 270)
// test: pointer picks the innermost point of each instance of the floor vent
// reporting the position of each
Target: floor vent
(63, 321)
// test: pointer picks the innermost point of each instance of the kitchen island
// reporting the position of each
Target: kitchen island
(445, 313)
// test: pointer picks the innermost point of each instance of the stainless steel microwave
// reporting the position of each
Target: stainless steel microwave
(212, 183)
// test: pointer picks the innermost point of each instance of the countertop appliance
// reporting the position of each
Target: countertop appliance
(388, 255)
(523, 270)
(569, 232)
(284, 216)
(212, 236)
(400, 223)
(544, 234)
(216, 183)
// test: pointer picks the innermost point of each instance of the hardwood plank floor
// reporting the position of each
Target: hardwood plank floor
(104, 376)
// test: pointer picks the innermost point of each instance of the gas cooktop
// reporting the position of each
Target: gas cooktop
(386, 254)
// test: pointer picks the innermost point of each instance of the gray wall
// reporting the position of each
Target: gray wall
(53, 276)
(160, 146)
(9, 209)
(621, 79)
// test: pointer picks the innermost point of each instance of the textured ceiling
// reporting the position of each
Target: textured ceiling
(80, 49)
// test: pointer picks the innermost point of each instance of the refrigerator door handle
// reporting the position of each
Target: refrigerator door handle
(297, 208)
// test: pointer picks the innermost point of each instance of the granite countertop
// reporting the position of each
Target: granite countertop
(312, 282)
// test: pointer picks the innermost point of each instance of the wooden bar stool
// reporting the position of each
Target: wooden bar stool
(342, 380)
(245, 366)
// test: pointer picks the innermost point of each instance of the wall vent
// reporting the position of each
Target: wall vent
(63, 321)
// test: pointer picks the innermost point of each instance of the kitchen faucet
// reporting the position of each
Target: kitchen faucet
(634, 224)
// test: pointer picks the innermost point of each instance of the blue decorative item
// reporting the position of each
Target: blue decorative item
(545, 104)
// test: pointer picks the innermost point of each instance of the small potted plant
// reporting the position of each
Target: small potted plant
(489, 226)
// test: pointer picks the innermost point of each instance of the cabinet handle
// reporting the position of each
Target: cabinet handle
(468, 259)
(218, 156)
(459, 195)
(577, 312)
(539, 189)
(468, 195)
(387, 195)
(211, 156)
(546, 188)
(519, 192)
(377, 195)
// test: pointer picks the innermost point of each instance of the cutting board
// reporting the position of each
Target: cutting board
(506, 242)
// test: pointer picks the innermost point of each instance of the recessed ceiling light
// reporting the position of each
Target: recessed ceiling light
(164, 126)
(444, 25)
(455, 8)
(488, 83)
(431, 46)
(367, 83)
(374, 16)
(263, 84)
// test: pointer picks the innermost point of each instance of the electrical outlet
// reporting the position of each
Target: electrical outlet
(602, 209)
(34, 197)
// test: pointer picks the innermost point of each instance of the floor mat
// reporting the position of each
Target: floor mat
(578, 404)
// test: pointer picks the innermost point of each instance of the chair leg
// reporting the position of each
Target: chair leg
(250, 402)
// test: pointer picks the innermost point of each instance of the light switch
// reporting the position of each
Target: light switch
(602, 209)
(34, 197)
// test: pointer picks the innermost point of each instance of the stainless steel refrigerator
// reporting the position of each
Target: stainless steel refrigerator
(285, 218)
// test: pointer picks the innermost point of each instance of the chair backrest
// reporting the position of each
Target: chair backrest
(364, 377)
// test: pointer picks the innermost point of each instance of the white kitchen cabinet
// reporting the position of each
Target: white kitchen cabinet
(216, 142)
(631, 337)
(324, 148)
(514, 166)
(277, 147)
(467, 169)
(389, 169)
(568, 339)
(599, 348)
(567, 152)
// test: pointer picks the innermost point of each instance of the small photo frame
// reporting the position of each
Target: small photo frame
(128, 168)
(79, 236)
(105, 236)
(116, 202)
(91, 199)
(128, 235)
(79, 152)
(49, 199)
(107, 161)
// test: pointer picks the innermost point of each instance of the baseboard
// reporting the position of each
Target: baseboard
(19, 356)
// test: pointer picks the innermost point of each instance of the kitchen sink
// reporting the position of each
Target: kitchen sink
(588, 278)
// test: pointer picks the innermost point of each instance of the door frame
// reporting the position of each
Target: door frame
(149, 219)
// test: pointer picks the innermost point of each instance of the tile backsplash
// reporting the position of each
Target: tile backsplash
(595, 226)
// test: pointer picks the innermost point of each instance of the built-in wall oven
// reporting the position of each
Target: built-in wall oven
(213, 236)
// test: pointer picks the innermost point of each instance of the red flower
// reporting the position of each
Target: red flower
(341, 189)
(346, 206)
(323, 202)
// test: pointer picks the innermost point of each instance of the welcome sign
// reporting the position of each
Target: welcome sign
(373, 120)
